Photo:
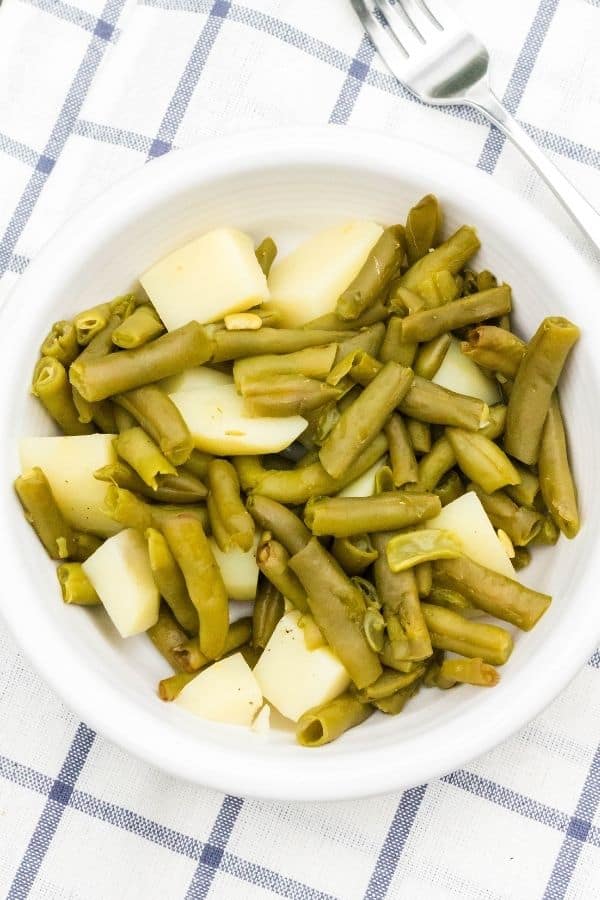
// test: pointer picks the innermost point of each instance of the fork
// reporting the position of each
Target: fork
(428, 48)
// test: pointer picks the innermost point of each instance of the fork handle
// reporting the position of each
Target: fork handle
(577, 206)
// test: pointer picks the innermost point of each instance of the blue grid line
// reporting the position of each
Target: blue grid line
(108, 134)
(18, 150)
(212, 854)
(398, 832)
(358, 71)
(56, 802)
(594, 660)
(76, 16)
(519, 80)
(191, 75)
(58, 137)
(258, 875)
(25, 776)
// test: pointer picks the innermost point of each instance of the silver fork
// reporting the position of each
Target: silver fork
(428, 48)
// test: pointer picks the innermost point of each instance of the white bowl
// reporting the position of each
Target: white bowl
(288, 184)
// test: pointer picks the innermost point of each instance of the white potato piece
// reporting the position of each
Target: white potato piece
(262, 723)
(307, 283)
(364, 485)
(121, 575)
(239, 570)
(466, 518)
(226, 691)
(460, 374)
(69, 464)
(219, 424)
(294, 678)
(200, 377)
(208, 278)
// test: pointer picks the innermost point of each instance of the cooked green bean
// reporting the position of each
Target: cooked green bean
(132, 512)
(345, 516)
(407, 550)
(190, 547)
(75, 586)
(166, 635)
(440, 596)
(354, 554)
(382, 263)
(225, 490)
(521, 559)
(429, 402)
(90, 322)
(338, 608)
(434, 465)
(556, 481)
(423, 225)
(470, 671)
(287, 395)
(482, 460)
(378, 312)
(231, 345)
(452, 255)
(549, 532)
(534, 384)
(102, 343)
(273, 561)
(84, 545)
(191, 659)
(394, 705)
(171, 687)
(160, 419)
(170, 581)
(286, 527)
(99, 377)
(394, 348)
(314, 362)
(389, 683)
(431, 355)
(360, 366)
(449, 488)
(51, 386)
(197, 463)
(268, 609)
(438, 289)
(325, 723)
(361, 423)
(369, 340)
(433, 675)
(142, 454)
(451, 631)
(123, 419)
(266, 253)
(384, 480)
(424, 578)
(123, 305)
(495, 349)
(141, 326)
(250, 471)
(419, 434)
(43, 514)
(526, 491)
(520, 523)
(402, 457)
(217, 526)
(61, 343)
(495, 594)
(182, 488)
(403, 302)
(430, 323)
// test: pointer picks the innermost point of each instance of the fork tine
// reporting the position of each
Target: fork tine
(410, 16)
(389, 48)
(400, 25)
(438, 11)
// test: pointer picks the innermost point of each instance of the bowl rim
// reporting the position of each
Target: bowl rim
(248, 771)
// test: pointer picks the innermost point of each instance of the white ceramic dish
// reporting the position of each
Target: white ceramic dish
(285, 184)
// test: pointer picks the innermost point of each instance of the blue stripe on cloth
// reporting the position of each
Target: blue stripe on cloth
(389, 857)
(24, 776)
(595, 660)
(577, 834)
(358, 71)
(191, 75)
(519, 79)
(62, 129)
(258, 875)
(76, 16)
(56, 802)
(212, 852)
(18, 150)
(108, 134)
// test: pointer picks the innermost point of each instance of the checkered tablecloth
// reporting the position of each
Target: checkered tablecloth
(88, 93)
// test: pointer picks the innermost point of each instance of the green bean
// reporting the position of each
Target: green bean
(132, 512)
(521, 559)
(360, 366)
(190, 547)
(495, 594)
(449, 488)
(170, 582)
(231, 345)
(423, 225)
(451, 631)
(384, 480)
(171, 687)
(43, 514)
(61, 343)
(394, 347)
(354, 554)
(433, 675)
(166, 635)
(407, 550)
(378, 312)
(182, 488)
(403, 301)
(345, 516)
(534, 384)
(325, 723)
(389, 683)
(431, 355)
(428, 402)
(273, 561)
(470, 671)
(51, 386)
(190, 658)
(250, 471)
(526, 491)
(123, 419)
(419, 434)
(408, 636)
(141, 326)
(549, 532)
(84, 545)
(160, 419)
(287, 395)
(449, 599)
(314, 362)
(438, 289)
(103, 414)
(382, 263)
(362, 422)
(338, 608)
(116, 373)
(286, 527)
(225, 490)
(481, 460)
(217, 526)
(370, 340)
(520, 523)
(197, 463)
(299, 485)
(90, 322)
(102, 343)
(142, 454)
(402, 457)
(124, 305)
(250, 654)
(556, 479)
(452, 255)
(266, 253)
(268, 609)
(394, 705)
(495, 349)
(424, 578)
(434, 465)
(430, 323)
(75, 586)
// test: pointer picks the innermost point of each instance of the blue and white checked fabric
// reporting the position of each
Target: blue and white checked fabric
(89, 92)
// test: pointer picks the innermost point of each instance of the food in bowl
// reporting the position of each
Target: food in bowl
(352, 439)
